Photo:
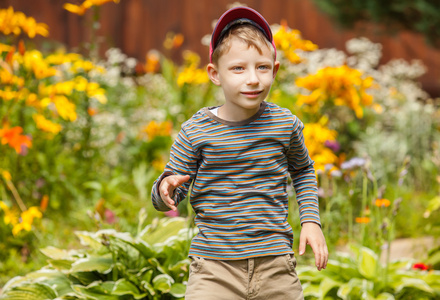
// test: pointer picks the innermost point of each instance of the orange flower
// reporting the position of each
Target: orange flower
(44, 202)
(14, 138)
(363, 220)
(154, 129)
(382, 202)
(92, 111)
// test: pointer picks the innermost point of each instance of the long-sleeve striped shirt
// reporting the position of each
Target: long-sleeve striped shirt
(239, 173)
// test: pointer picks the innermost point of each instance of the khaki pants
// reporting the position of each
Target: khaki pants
(271, 277)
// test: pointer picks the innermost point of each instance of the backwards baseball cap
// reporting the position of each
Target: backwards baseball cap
(239, 15)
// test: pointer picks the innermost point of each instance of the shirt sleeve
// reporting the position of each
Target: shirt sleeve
(302, 172)
(183, 161)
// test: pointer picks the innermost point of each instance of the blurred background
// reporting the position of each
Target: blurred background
(93, 93)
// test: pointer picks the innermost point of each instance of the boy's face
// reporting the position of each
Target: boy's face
(245, 77)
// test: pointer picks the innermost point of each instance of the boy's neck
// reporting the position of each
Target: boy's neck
(230, 113)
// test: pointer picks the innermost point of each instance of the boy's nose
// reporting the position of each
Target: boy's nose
(252, 78)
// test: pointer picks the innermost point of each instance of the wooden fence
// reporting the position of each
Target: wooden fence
(137, 26)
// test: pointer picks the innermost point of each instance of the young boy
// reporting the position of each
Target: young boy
(238, 157)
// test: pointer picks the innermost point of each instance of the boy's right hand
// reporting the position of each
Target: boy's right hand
(167, 187)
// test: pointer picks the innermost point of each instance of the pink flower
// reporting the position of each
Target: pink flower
(110, 216)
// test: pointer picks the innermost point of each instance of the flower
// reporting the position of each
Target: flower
(362, 220)
(288, 40)
(420, 266)
(315, 137)
(81, 9)
(26, 220)
(10, 216)
(382, 202)
(153, 129)
(46, 125)
(339, 85)
(191, 74)
(353, 163)
(14, 138)
(14, 22)
(173, 41)
(44, 202)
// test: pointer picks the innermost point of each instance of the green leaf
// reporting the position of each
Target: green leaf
(32, 291)
(100, 264)
(416, 284)
(55, 253)
(385, 296)
(327, 285)
(368, 263)
(60, 264)
(163, 283)
(97, 290)
(89, 239)
(178, 290)
(124, 287)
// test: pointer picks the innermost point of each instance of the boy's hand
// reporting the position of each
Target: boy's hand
(167, 187)
(311, 234)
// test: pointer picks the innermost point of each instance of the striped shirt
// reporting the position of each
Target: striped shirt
(239, 173)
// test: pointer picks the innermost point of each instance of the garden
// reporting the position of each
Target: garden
(83, 137)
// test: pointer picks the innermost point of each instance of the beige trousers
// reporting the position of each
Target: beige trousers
(271, 277)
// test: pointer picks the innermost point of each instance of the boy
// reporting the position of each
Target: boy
(238, 157)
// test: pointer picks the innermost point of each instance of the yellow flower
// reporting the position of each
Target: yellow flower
(33, 60)
(65, 108)
(153, 129)
(339, 85)
(95, 91)
(315, 136)
(10, 216)
(81, 9)
(14, 22)
(46, 125)
(6, 175)
(288, 40)
(27, 218)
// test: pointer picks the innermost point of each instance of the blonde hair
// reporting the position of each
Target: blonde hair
(247, 33)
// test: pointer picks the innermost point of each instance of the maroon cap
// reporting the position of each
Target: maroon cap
(239, 15)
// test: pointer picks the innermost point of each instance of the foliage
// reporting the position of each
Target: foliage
(420, 16)
(115, 265)
(364, 277)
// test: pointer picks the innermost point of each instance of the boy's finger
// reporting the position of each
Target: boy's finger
(179, 180)
(302, 246)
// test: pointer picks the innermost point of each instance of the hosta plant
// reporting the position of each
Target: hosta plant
(364, 277)
(114, 265)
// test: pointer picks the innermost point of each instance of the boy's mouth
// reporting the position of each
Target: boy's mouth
(252, 93)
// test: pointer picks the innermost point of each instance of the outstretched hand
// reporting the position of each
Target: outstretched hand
(311, 234)
(167, 187)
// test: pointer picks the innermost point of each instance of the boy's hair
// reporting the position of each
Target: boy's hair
(238, 17)
(248, 34)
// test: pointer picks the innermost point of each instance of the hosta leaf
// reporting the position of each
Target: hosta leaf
(60, 264)
(124, 287)
(89, 239)
(146, 285)
(368, 263)
(97, 290)
(178, 290)
(163, 283)
(327, 285)
(385, 296)
(416, 284)
(311, 290)
(55, 253)
(100, 264)
(31, 291)
(165, 228)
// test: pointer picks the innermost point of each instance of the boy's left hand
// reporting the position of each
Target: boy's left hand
(311, 234)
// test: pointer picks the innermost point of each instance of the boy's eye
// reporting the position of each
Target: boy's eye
(237, 68)
(264, 67)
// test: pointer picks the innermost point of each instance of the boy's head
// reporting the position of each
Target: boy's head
(244, 23)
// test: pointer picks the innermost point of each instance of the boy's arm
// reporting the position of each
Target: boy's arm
(173, 185)
(302, 172)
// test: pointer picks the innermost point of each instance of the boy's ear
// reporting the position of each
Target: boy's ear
(213, 73)
(275, 68)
